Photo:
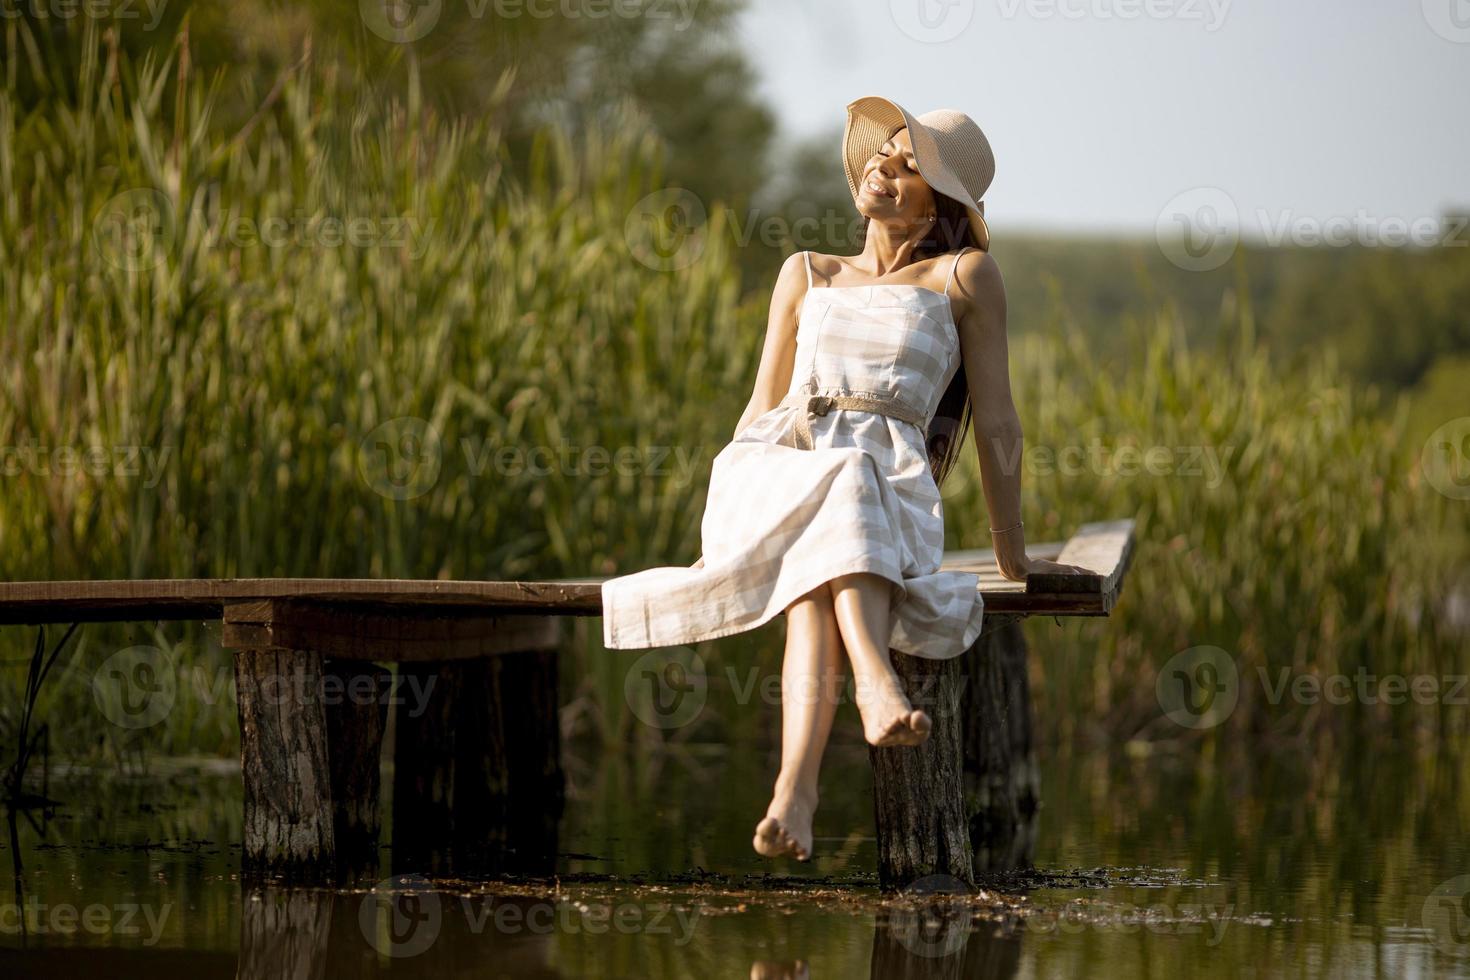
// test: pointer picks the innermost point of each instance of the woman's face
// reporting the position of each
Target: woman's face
(891, 187)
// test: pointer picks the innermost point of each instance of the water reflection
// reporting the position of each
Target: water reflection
(940, 940)
(1352, 862)
(408, 925)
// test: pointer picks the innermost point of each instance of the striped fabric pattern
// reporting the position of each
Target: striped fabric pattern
(781, 521)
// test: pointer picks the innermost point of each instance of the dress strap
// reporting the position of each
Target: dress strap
(953, 266)
(808, 256)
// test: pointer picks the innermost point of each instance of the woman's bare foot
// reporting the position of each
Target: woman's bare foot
(888, 717)
(787, 827)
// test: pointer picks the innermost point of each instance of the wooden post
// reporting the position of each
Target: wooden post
(283, 757)
(445, 764)
(529, 703)
(918, 791)
(356, 711)
(1002, 780)
(478, 784)
(965, 801)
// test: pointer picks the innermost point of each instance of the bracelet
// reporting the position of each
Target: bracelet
(1005, 529)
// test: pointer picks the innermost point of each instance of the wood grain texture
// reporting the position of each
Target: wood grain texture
(288, 826)
(1105, 547)
(355, 704)
(918, 798)
(358, 631)
(1002, 778)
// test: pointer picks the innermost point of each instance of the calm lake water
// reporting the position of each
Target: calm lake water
(1318, 860)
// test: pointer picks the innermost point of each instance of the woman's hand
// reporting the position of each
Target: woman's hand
(1041, 566)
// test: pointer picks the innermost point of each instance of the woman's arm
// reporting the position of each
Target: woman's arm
(773, 377)
(778, 355)
(998, 438)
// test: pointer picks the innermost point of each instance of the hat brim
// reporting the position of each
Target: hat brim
(871, 121)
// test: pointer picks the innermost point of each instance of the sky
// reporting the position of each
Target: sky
(1349, 117)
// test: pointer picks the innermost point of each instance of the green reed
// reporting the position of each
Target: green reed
(488, 315)
(1315, 546)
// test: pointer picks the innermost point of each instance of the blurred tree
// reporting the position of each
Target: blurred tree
(572, 61)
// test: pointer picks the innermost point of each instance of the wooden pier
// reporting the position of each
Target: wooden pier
(477, 778)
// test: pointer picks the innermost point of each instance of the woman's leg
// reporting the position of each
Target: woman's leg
(861, 604)
(812, 678)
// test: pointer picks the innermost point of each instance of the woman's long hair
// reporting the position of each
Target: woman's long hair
(946, 436)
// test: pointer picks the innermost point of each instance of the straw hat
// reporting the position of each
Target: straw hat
(952, 154)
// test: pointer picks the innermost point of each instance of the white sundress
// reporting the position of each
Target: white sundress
(780, 520)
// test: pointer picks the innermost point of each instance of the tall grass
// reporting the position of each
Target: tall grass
(1314, 547)
(144, 313)
(493, 330)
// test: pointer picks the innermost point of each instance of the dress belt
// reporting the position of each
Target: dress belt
(809, 405)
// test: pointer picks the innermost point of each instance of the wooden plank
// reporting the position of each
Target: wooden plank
(1104, 547)
(147, 599)
(983, 559)
(354, 631)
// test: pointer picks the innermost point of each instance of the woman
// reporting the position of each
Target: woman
(826, 504)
